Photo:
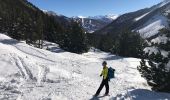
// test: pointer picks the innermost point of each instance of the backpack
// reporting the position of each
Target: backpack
(111, 73)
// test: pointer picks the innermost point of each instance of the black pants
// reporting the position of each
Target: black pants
(104, 83)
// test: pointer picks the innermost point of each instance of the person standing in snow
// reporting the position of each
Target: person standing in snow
(105, 80)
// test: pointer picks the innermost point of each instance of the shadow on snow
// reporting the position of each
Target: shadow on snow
(142, 94)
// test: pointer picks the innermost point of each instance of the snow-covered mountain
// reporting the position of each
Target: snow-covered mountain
(153, 25)
(146, 21)
(94, 23)
(29, 73)
(157, 21)
(90, 24)
(106, 18)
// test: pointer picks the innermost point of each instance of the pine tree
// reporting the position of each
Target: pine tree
(156, 69)
(128, 44)
(106, 43)
(78, 39)
(75, 39)
(40, 30)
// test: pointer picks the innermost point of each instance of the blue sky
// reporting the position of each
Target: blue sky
(93, 7)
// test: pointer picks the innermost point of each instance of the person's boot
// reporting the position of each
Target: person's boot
(96, 95)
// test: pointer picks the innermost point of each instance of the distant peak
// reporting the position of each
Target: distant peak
(81, 17)
(112, 16)
(78, 17)
(109, 16)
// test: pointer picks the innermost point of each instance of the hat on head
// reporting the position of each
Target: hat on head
(104, 63)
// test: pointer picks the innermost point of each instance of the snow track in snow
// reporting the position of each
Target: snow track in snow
(25, 72)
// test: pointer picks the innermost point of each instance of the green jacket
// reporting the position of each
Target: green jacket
(104, 72)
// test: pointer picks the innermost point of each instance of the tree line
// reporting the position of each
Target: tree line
(125, 43)
(23, 21)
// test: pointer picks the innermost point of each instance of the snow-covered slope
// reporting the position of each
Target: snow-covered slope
(140, 17)
(157, 21)
(152, 26)
(29, 73)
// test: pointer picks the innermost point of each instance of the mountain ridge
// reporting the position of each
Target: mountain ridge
(90, 24)
(134, 20)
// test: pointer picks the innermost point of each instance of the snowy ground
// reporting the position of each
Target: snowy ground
(29, 73)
